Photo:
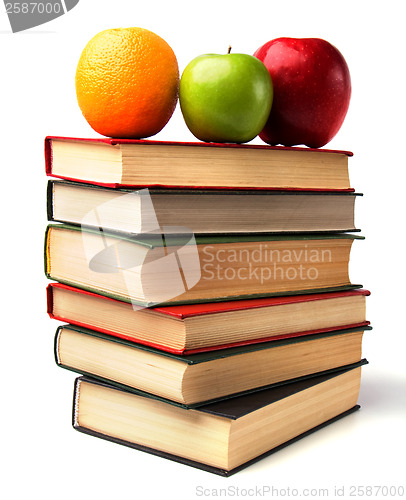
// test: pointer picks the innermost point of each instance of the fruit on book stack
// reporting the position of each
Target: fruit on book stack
(233, 327)
(203, 288)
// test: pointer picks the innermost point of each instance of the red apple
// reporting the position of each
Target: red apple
(312, 90)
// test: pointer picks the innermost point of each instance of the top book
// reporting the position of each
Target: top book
(146, 163)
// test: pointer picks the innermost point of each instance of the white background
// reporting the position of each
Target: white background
(44, 456)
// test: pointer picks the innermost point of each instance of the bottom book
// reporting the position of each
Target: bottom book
(222, 437)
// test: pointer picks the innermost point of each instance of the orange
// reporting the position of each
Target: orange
(127, 83)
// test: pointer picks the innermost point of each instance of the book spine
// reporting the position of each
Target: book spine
(50, 301)
(56, 345)
(50, 201)
(48, 155)
(75, 402)
(46, 253)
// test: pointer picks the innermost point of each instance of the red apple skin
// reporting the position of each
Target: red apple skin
(312, 91)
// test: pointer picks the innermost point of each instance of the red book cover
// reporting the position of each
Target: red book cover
(116, 141)
(189, 310)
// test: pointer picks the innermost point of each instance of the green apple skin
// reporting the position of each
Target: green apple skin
(225, 97)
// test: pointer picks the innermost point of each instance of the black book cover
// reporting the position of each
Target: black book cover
(233, 409)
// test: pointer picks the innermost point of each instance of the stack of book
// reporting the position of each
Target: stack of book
(205, 294)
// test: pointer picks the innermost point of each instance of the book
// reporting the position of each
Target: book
(147, 163)
(223, 437)
(191, 328)
(150, 269)
(201, 211)
(193, 379)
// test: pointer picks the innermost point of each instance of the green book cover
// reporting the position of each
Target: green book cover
(192, 255)
(195, 359)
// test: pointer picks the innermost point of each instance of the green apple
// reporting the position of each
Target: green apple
(225, 97)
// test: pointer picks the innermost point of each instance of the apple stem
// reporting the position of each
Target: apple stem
(229, 49)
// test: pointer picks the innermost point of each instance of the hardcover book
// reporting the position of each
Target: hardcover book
(167, 268)
(222, 437)
(191, 328)
(201, 211)
(147, 163)
(197, 378)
